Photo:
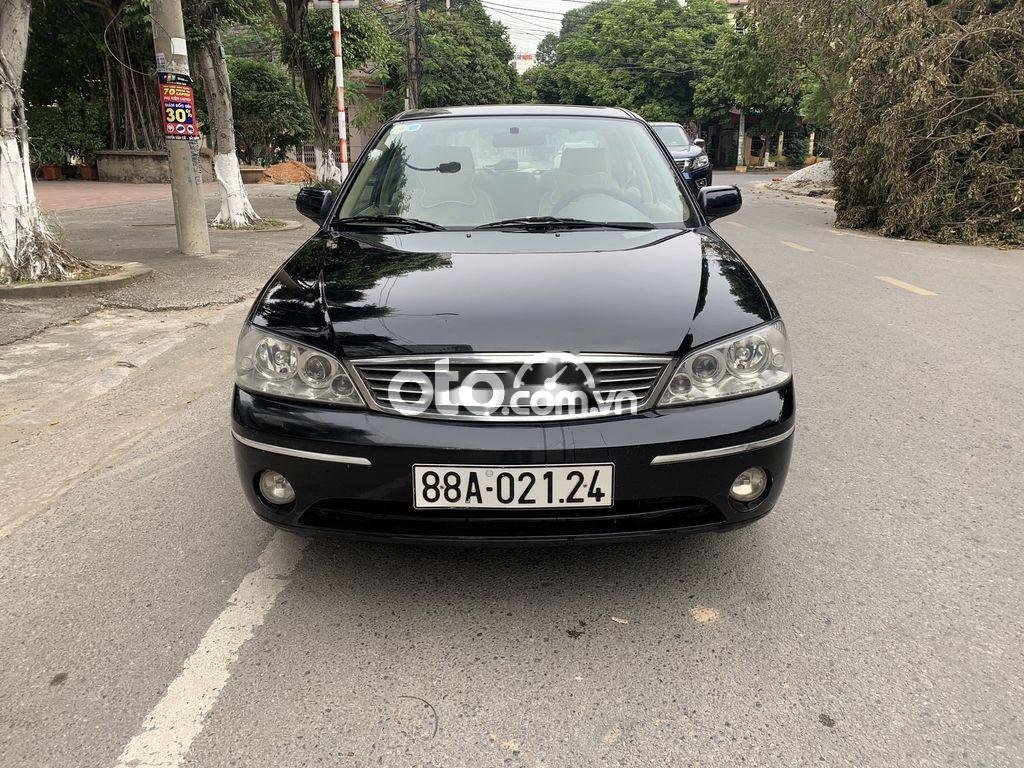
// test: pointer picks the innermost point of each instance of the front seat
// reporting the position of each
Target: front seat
(580, 168)
(449, 199)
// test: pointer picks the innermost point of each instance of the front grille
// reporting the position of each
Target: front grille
(583, 386)
(360, 516)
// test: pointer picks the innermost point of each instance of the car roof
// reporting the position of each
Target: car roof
(677, 125)
(500, 110)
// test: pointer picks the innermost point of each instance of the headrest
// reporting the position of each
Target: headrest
(584, 161)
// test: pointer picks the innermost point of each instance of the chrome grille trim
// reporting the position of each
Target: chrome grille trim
(641, 375)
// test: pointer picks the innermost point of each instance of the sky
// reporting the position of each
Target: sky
(528, 21)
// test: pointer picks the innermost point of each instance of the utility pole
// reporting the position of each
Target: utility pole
(181, 134)
(412, 21)
(741, 163)
(336, 7)
(339, 86)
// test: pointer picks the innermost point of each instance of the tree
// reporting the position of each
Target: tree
(465, 58)
(205, 18)
(308, 49)
(270, 113)
(28, 250)
(123, 30)
(751, 80)
(821, 37)
(645, 55)
(547, 49)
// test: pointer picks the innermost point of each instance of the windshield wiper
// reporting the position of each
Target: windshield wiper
(559, 222)
(385, 220)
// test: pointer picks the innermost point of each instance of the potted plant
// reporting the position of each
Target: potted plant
(90, 135)
(47, 141)
(50, 163)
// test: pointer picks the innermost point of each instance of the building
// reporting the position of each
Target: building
(523, 61)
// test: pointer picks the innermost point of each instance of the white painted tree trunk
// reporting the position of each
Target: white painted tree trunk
(28, 250)
(326, 166)
(236, 211)
(235, 208)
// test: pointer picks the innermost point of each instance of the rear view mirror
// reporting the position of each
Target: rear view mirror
(314, 203)
(717, 202)
(517, 137)
(699, 142)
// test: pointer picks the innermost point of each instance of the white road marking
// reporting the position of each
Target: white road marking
(906, 286)
(178, 718)
(737, 224)
(797, 246)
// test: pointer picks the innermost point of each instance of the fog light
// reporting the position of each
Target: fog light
(749, 485)
(275, 488)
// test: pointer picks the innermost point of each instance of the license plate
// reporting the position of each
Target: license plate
(540, 486)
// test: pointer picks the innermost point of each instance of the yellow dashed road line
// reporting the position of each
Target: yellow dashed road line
(737, 224)
(797, 246)
(906, 286)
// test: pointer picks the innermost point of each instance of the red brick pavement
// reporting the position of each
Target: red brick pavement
(71, 194)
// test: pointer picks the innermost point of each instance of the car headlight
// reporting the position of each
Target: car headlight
(276, 366)
(700, 161)
(750, 362)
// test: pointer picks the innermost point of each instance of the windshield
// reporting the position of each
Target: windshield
(465, 172)
(672, 135)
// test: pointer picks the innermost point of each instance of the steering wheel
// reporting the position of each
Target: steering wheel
(576, 194)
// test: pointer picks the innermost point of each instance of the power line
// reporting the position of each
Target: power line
(522, 9)
(530, 20)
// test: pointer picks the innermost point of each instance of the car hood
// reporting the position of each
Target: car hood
(683, 154)
(642, 292)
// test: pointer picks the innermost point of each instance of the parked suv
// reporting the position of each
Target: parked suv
(514, 324)
(689, 156)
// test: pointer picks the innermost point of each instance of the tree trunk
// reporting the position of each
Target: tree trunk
(235, 209)
(326, 164)
(294, 25)
(28, 250)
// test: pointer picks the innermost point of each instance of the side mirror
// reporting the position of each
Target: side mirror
(314, 203)
(699, 142)
(717, 202)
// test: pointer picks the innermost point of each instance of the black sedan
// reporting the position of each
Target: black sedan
(514, 325)
(689, 156)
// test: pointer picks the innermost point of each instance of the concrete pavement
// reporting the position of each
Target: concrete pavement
(872, 620)
(98, 226)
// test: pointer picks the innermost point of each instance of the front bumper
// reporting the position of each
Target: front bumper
(699, 178)
(352, 470)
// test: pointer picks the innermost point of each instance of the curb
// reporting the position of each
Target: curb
(289, 225)
(131, 272)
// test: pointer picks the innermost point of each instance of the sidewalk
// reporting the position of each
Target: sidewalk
(56, 196)
(98, 224)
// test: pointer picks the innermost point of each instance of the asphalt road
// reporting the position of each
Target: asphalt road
(874, 619)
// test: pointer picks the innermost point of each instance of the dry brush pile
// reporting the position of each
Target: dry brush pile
(929, 137)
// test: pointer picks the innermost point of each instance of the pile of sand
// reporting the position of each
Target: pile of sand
(288, 172)
(812, 180)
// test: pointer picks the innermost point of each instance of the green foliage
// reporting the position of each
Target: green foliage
(644, 55)
(307, 47)
(270, 113)
(72, 28)
(928, 136)
(547, 49)
(366, 39)
(749, 79)
(465, 58)
(820, 38)
(794, 147)
(76, 129)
